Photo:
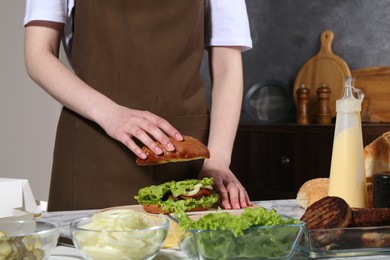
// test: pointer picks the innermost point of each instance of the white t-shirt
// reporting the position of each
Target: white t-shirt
(226, 21)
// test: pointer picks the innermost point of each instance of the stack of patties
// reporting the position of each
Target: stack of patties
(327, 213)
(328, 217)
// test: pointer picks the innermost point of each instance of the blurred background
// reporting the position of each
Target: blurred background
(286, 33)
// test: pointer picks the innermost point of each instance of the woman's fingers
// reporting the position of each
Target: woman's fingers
(148, 128)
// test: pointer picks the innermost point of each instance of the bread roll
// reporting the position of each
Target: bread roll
(312, 191)
(188, 149)
(315, 189)
(377, 155)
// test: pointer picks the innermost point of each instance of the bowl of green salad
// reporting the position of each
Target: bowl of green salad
(252, 233)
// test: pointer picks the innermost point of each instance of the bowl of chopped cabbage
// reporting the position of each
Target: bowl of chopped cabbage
(120, 234)
(27, 239)
(255, 233)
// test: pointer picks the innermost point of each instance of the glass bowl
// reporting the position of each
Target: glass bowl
(27, 239)
(345, 242)
(139, 236)
(257, 242)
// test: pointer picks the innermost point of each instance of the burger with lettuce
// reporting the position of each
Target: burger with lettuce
(186, 195)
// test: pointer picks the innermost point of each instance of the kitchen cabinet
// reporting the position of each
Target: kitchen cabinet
(273, 161)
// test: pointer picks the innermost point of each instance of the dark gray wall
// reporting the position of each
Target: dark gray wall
(286, 33)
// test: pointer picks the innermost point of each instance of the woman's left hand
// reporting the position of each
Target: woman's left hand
(227, 91)
(233, 194)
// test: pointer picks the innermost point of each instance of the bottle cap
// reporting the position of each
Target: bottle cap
(381, 190)
(349, 103)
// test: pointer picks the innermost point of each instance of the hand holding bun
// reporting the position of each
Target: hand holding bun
(188, 149)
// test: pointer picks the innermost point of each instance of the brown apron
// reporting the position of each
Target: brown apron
(143, 54)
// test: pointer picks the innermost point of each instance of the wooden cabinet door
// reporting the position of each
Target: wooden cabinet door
(263, 163)
(313, 153)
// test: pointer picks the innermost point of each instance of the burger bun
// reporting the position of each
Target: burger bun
(188, 149)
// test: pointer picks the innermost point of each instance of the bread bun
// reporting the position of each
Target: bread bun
(155, 209)
(377, 155)
(315, 189)
(312, 191)
(188, 149)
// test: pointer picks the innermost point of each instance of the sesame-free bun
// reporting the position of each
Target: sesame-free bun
(377, 155)
(312, 191)
(188, 149)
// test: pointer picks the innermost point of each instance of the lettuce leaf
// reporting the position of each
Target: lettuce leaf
(185, 205)
(153, 194)
(236, 224)
(251, 235)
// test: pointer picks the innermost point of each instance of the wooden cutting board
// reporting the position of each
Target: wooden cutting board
(375, 84)
(324, 68)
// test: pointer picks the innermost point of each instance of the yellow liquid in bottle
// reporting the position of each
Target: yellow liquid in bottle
(347, 173)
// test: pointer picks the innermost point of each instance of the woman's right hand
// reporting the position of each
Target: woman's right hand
(124, 124)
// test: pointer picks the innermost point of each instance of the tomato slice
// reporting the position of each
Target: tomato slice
(201, 192)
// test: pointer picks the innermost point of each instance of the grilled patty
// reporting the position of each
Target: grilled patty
(328, 212)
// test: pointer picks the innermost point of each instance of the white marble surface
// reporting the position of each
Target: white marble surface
(64, 218)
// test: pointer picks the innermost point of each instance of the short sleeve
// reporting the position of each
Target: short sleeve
(227, 24)
(55, 11)
(46, 10)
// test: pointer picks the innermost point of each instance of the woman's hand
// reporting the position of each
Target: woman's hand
(227, 91)
(233, 194)
(124, 124)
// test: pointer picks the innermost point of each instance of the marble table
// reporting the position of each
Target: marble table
(64, 218)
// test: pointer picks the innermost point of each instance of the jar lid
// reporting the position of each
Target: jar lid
(384, 176)
(381, 190)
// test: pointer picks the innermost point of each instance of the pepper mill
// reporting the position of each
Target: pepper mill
(323, 95)
(303, 96)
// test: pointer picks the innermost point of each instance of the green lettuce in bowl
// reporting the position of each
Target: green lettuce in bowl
(253, 233)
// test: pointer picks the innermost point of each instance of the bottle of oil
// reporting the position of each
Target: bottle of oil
(347, 172)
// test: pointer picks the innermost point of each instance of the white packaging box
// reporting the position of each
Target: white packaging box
(17, 199)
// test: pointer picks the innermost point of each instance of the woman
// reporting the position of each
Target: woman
(135, 82)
